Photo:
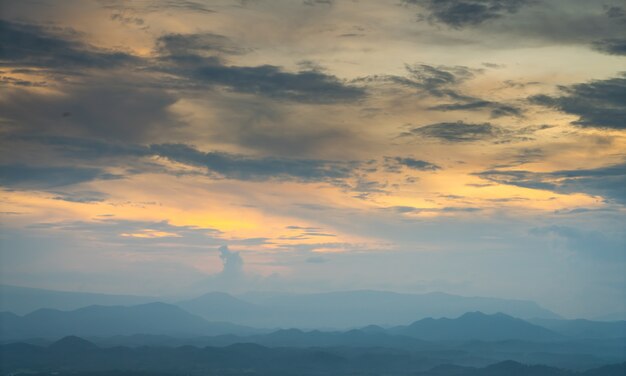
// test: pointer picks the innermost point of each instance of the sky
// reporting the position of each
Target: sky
(473, 147)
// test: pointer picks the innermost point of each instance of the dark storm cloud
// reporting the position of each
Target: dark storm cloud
(461, 13)
(248, 168)
(608, 182)
(600, 103)
(34, 46)
(45, 177)
(611, 46)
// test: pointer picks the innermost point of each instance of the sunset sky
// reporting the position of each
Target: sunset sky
(474, 147)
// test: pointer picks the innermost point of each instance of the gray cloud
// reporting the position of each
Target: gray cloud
(443, 82)
(600, 103)
(80, 196)
(415, 164)
(462, 13)
(195, 57)
(156, 6)
(248, 168)
(497, 109)
(273, 82)
(35, 46)
(608, 182)
(47, 177)
(110, 110)
(611, 46)
(197, 44)
(228, 165)
(457, 132)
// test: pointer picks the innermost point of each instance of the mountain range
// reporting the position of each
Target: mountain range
(150, 318)
(76, 356)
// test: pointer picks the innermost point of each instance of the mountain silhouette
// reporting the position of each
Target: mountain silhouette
(151, 318)
(350, 309)
(74, 356)
(476, 326)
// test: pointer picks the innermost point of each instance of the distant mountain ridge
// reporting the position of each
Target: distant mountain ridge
(150, 318)
(350, 309)
(23, 300)
(76, 356)
(334, 310)
(476, 326)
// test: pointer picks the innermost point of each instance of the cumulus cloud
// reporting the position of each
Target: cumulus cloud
(233, 263)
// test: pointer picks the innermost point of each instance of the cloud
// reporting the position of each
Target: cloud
(599, 103)
(233, 263)
(462, 13)
(201, 44)
(457, 132)
(608, 181)
(497, 109)
(248, 168)
(81, 196)
(443, 81)
(415, 164)
(45, 177)
(34, 46)
(611, 46)
(438, 80)
(195, 57)
(107, 109)
(156, 6)
(216, 163)
(271, 81)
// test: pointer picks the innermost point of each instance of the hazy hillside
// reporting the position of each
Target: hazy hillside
(337, 310)
(476, 326)
(349, 309)
(22, 300)
(76, 356)
(151, 318)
